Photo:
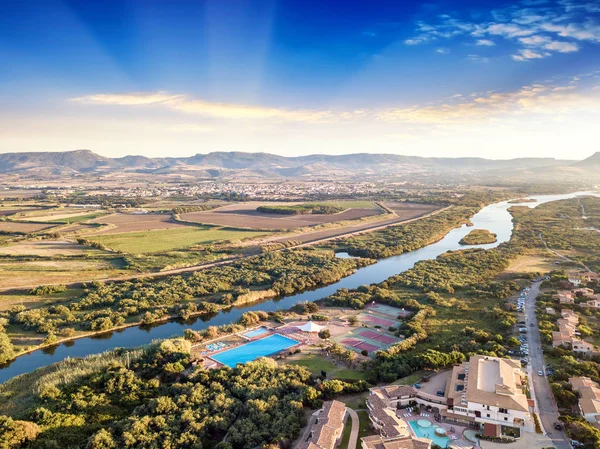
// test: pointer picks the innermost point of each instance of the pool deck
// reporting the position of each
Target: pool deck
(451, 429)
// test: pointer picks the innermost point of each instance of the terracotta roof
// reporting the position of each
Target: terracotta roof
(404, 442)
(391, 425)
(497, 382)
(327, 430)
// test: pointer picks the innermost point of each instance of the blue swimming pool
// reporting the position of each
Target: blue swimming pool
(256, 332)
(253, 350)
(428, 433)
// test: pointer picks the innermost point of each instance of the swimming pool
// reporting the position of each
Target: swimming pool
(428, 433)
(253, 350)
(256, 332)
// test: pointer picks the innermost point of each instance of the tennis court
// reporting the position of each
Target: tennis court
(364, 339)
(384, 309)
(251, 351)
(383, 338)
(376, 321)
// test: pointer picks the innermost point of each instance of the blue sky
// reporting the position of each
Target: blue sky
(438, 78)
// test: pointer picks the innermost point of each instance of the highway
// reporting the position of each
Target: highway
(539, 385)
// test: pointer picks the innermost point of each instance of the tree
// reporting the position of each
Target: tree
(324, 334)
(353, 320)
(102, 440)
(13, 434)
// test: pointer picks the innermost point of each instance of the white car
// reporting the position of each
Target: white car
(541, 373)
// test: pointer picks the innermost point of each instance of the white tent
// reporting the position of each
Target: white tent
(310, 327)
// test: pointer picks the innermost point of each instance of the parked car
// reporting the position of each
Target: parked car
(558, 426)
(417, 386)
(540, 373)
(440, 393)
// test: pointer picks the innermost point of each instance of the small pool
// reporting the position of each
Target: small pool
(428, 433)
(253, 350)
(256, 332)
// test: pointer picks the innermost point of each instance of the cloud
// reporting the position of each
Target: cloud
(526, 54)
(543, 28)
(187, 105)
(562, 47)
(535, 99)
(442, 51)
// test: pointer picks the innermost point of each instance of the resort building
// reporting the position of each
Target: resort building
(582, 347)
(589, 398)
(584, 291)
(565, 297)
(327, 429)
(567, 328)
(487, 392)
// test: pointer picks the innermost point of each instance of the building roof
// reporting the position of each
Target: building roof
(589, 392)
(379, 407)
(310, 327)
(490, 381)
(402, 442)
(326, 431)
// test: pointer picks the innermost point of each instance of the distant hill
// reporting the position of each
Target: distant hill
(592, 161)
(240, 164)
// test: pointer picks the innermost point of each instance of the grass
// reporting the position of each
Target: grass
(78, 218)
(346, 434)
(315, 363)
(144, 242)
(364, 425)
(357, 204)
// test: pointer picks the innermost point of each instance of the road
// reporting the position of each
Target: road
(309, 239)
(557, 254)
(539, 385)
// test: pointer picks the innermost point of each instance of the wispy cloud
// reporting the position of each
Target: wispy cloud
(541, 28)
(182, 103)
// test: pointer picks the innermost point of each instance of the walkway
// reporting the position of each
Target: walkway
(355, 427)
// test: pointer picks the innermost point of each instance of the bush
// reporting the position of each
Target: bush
(324, 334)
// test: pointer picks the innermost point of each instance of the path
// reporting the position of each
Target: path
(355, 427)
(557, 254)
(540, 387)
(316, 238)
(307, 429)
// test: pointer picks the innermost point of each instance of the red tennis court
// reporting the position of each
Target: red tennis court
(379, 321)
(351, 341)
(366, 346)
(386, 339)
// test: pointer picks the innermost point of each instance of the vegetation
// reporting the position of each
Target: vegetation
(300, 209)
(399, 239)
(478, 237)
(105, 306)
(156, 399)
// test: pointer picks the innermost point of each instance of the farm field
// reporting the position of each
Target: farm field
(245, 215)
(403, 208)
(4, 212)
(170, 239)
(11, 226)
(57, 215)
(122, 223)
(34, 273)
(49, 248)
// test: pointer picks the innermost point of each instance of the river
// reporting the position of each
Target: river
(494, 218)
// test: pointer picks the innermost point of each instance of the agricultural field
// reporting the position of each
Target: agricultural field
(59, 215)
(49, 248)
(30, 274)
(246, 215)
(123, 223)
(408, 210)
(155, 241)
(25, 228)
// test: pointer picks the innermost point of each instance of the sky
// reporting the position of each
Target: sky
(174, 78)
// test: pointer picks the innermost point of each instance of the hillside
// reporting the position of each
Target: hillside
(227, 164)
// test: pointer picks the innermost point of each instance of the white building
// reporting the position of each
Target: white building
(488, 392)
(589, 398)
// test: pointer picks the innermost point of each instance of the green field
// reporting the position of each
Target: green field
(169, 239)
(78, 218)
(316, 364)
(346, 204)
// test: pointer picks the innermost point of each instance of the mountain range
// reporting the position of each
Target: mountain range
(240, 164)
